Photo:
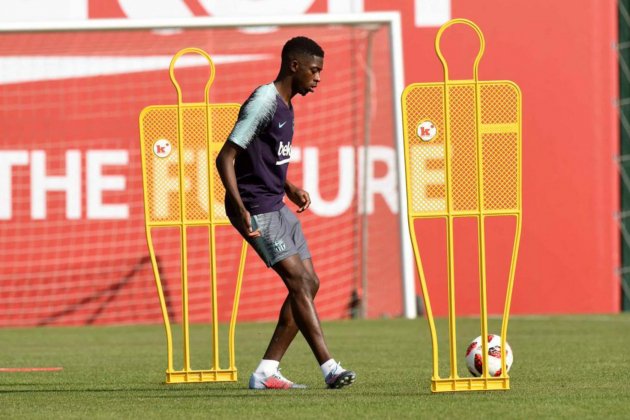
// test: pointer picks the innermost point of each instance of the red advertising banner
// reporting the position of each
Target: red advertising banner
(72, 240)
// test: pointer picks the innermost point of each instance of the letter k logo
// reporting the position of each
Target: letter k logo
(162, 148)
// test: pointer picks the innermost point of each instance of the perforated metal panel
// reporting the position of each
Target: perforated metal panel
(499, 137)
(201, 144)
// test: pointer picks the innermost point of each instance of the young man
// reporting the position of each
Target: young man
(253, 167)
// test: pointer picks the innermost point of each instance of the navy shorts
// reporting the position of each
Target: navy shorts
(280, 237)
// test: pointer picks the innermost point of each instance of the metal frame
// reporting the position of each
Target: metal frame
(453, 382)
(187, 374)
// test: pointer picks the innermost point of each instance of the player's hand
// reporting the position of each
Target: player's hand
(299, 197)
(251, 231)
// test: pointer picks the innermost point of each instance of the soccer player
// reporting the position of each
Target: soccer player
(253, 166)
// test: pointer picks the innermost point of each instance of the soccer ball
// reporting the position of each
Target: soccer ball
(474, 356)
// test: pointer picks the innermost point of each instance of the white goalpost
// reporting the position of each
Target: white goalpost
(70, 95)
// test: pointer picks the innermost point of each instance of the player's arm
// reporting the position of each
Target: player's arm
(225, 167)
(253, 116)
(298, 196)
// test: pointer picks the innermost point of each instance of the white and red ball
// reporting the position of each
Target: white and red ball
(474, 356)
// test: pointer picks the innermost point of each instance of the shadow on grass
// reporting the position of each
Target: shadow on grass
(192, 391)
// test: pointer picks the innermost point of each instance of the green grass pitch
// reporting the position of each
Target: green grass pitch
(565, 367)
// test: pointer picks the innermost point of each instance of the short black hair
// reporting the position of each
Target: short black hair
(300, 45)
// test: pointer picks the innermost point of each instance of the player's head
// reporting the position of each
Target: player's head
(303, 60)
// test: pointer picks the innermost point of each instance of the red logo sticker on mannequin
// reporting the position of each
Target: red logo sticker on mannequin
(162, 148)
(426, 130)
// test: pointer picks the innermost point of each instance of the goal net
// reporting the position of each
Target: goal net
(73, 244)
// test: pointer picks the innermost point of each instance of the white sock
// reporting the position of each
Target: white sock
(328, 367)
(268, 367)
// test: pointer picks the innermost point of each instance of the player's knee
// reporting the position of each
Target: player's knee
(301, 284)
(314, 284)
(311, 281)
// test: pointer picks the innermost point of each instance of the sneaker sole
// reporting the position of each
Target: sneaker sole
(345, 379)
(264, 388)
(271, 382)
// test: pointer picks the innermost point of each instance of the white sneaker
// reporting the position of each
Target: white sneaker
(273, 381)
(340, 377)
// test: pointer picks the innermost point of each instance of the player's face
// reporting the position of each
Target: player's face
(307, 74)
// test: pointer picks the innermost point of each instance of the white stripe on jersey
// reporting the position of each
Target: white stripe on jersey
(257, 112)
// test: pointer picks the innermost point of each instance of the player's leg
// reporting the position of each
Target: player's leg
(277, 243)
(334, 375)
(283, 335)
(298, 274)
(285, 332)
(300, 284)
(286, 328)
(267, 375)
(283, 247)
(283, 227)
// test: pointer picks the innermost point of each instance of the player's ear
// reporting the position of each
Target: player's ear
(294, 64)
